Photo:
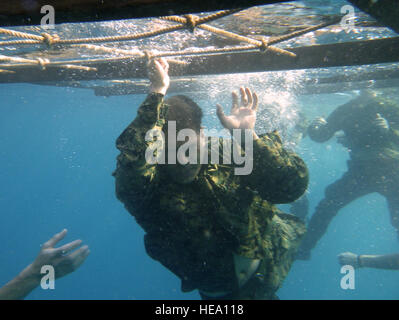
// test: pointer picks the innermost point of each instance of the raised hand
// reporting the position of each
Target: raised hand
(62, 259)
(158, 75)
(243, 114)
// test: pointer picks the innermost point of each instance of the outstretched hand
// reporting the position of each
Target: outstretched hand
(243, 115)
(62, 259)
(349, 258)
(158, 75)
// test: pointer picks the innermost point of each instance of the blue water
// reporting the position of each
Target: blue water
(57, 154)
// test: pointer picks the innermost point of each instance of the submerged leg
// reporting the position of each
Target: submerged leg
(337, 195)
(388, 186)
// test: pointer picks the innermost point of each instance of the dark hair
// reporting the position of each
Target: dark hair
(185, 112)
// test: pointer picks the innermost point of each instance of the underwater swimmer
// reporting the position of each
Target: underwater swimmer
(219, 232)
(371, 133)
(63, 259)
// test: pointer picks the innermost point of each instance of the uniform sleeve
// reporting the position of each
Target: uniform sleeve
(280, 176)
(133, 170)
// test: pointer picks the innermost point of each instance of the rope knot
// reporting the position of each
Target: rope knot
(42, 62)
(49, 39)
(264, 46)
(191, 22)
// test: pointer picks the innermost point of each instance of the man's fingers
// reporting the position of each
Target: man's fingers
(221, 115)
(249, 97)
(162, 61)
(56, 238)
(152, 66)
(159, 67)
(219, 111)
(164, 64)
(244, 100)
(255, 101)
(234, 106)
(79, 256)
(69, 247)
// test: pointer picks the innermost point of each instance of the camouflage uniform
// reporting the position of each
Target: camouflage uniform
(194, 229)
(373, 164)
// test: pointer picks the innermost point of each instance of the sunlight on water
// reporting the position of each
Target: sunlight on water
(277, 93)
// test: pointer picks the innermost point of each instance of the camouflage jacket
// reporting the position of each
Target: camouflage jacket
(194, 229)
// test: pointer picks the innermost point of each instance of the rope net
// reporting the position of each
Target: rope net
(91, 48)
(191, 23)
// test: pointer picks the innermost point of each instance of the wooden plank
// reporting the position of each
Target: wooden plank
(22, 12)
(316, 86)
(366, 79)
(119, 90)
(318, 56)
(349, 86)
(364, 75)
